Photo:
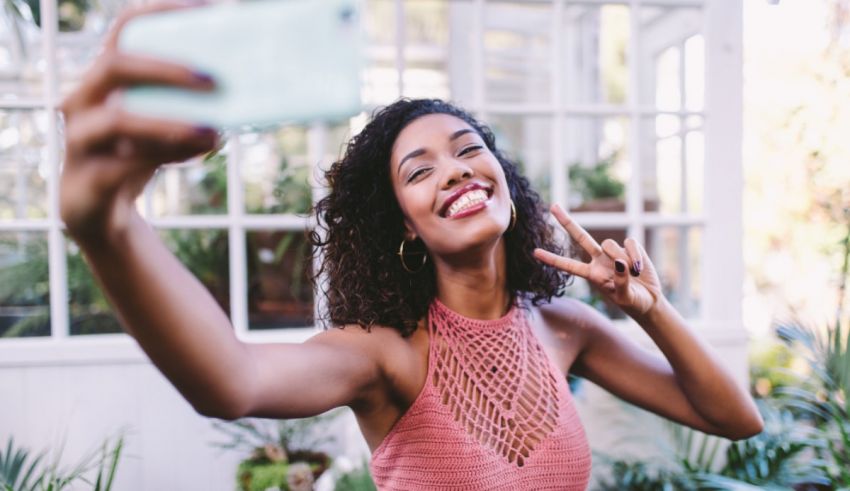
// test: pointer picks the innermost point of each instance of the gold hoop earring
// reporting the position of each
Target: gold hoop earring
(512, 224)
(401, 258)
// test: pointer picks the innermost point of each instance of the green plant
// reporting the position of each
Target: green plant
(17, 468)
(39, 476)
(775, 459)
(358, 479)
(822, 397)
(272, 445)
(595, 182)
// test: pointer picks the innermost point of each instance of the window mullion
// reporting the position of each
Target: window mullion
(478, 86)
(400, 40)
(236, 239)
(634, 193)
(317, 138)
(57, 265)
(559, 184)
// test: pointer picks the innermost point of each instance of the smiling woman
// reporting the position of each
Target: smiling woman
(454, 363)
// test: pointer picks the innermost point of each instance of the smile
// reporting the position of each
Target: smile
(470, 201)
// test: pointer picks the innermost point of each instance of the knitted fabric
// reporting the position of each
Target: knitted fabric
(494, 414)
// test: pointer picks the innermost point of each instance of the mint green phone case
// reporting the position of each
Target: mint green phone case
(273, 61)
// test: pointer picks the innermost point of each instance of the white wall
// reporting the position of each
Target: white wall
(97, 390)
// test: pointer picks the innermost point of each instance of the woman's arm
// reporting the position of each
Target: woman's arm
(691, 385)
(189, 338)
(110, 156)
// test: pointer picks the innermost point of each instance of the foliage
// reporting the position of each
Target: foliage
(595, 182)
(272, 445)
(259, 477)
(358, 479)
(21, 471)
(821, 397)
(774, 459)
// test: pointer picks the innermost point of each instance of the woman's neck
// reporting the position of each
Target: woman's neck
(475, 285)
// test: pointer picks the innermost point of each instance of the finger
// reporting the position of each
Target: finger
(100, 128)
(634, 256)
(136, 11)
(621, 280)
(569, 265)
(575, 230)
(614, 251)
(119, 70)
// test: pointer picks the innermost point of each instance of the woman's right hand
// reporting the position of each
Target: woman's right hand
(110, 153)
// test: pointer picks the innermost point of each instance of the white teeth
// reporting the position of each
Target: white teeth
(468, 200)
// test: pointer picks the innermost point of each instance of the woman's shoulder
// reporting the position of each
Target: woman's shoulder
(570, 319)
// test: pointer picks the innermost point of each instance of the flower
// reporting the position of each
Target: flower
(299, 477)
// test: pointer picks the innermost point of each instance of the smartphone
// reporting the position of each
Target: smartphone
(274, 62)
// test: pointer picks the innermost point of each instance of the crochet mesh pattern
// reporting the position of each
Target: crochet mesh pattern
(495, 382)
(494, 414)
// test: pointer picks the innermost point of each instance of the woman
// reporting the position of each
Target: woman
(437, 247)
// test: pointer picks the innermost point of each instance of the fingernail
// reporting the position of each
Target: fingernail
(203, 77)
(206, 131)
(638, 267)
(634, 271)
(620, 266)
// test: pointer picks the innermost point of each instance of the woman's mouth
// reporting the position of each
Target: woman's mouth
(469, 203)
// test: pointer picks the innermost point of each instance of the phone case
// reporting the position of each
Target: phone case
(273, 61)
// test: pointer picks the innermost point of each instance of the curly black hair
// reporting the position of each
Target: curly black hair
(360, 227)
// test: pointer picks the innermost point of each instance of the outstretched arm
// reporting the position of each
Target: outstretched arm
(689, 385)
(110, 155)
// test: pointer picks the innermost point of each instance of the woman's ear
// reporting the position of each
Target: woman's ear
(409, 233)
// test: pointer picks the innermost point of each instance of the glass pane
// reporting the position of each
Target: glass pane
(676, 252)
(23, 164)
(595, 53)
(276, 170)
(88, 310)
(426, 49)
(671, 59)
(205, 254)
(461, 51)
(517, 52)
(83, 26)
(526, 141)
(280, 293)
(598, 155)
(672, 166)
(21, 61)
(380, 76)
(581, 288)
(196, 187)
(695, 73)
(24, 285)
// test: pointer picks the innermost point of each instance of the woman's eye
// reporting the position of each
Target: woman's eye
(415, 174)
(469, 149)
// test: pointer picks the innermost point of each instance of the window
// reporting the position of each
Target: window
(605, 105)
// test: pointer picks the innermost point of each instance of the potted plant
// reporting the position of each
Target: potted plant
(283, 454)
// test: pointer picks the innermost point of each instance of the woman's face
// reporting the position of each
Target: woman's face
(450, 187)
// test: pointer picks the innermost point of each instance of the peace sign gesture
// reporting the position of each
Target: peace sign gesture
(635, 294)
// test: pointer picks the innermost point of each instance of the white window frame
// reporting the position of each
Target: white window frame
(721, 224)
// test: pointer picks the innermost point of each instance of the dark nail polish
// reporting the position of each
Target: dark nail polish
(206, 131)
(634, 271)
(204, 77)
(620, 266)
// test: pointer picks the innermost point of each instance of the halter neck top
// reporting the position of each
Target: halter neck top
(494, 414)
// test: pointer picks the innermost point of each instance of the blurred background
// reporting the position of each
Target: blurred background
(714, 131)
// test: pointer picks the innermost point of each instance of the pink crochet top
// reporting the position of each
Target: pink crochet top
(494, 414)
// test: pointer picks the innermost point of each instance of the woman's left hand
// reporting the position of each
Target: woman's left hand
(625, 275)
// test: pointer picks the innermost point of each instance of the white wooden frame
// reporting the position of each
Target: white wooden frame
(721, 222)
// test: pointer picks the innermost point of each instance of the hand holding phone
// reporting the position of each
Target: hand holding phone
(273, 61)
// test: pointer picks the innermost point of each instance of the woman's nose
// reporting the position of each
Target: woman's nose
(458, 172)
